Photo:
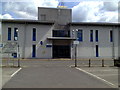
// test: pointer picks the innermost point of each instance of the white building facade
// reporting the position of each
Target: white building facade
(53, 34)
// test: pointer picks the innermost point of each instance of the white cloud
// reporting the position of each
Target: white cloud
(98, 11)
(45, 3)
(6, 16)
(24, 15)
(109, 17)
(27, 10)
(85, 11)
(110, 6)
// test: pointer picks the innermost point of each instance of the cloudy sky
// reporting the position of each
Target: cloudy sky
(82, 11)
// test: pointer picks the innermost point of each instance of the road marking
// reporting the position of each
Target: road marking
(97, 77)
(16, 72)
(109, 75)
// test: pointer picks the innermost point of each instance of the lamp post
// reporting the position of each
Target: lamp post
(75, 43)
(18, 48)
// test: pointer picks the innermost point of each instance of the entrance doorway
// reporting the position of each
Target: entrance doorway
(61, 51)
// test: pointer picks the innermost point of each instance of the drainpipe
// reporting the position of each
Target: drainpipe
(113, 50)
(24, 42)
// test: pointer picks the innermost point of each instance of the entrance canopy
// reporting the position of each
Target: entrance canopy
(61, 38)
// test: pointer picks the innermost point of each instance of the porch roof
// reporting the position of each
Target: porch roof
(61, 38)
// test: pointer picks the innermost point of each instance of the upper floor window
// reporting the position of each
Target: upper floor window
(15, 34)
(43, 17)
(80, 35)
(91, 35)
(34, 34)
(61, 33)
(96, 35)
(111, 36)
(9, 33)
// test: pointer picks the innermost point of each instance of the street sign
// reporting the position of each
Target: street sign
(1, 45)
(75, 42)
(10, 47)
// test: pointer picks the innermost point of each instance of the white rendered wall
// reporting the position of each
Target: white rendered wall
(87, 49)
(25, 39)
(42, 32)
(21, 28)
(59, 15)
(119, 44)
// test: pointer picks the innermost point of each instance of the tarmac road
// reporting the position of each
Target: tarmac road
(53, 74)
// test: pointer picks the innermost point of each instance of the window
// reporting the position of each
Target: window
(111, 36)
(91, 35)
(96, 35)
(43, 17)
(34, 51)
(80, 35)
(9, 33)
(15, 34)
(61, 33)
(34, 34)
(97, 51)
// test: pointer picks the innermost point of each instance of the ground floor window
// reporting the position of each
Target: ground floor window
(97, 51)
(9, 33)
(34, 51)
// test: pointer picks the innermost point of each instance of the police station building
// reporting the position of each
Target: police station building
(54, 35)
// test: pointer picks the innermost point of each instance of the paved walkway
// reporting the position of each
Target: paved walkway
(109, 74)
(53, 74)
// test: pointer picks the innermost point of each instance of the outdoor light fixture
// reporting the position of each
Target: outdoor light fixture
(18, 49)
(17, 30)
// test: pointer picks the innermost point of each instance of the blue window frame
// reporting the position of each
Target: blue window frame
(91, 35)
(80, 35)
(96, 35)
(111, 36)
(97, 51)
(9, 33)
(34, 51)
(34, 34)
(15, 34)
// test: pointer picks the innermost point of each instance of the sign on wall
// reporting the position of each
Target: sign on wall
(76, 42)
(48, 45)
(41, 42)
(1, 45)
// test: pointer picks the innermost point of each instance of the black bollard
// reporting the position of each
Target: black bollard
(89, 62)
(102, 62)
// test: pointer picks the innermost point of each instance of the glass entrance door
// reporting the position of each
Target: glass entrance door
(61, 51)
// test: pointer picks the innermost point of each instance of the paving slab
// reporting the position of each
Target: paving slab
(6, 74)
(109, 74)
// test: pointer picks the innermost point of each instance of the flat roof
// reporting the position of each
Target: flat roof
(54, 8)
(26, 21)
(94, 23)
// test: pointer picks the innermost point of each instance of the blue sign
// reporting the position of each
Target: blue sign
(48, 45)
(14, 55)
(1, 45)
(41, 42)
